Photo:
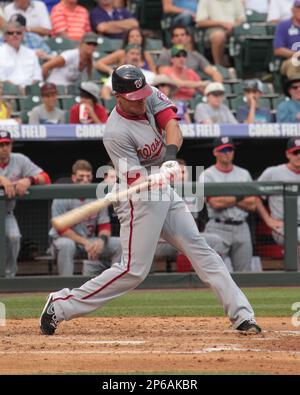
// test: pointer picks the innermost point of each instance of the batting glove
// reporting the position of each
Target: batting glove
(170, 169)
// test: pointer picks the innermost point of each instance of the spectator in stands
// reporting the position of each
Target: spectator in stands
(287, 43)
(18, 65)
(72, 65)
(228, 214)
(110, 21)
(252, 112)
(48, 112)
(194, 60)
(133, 55)
(133, 36)
(214, 110)
(35, 12)
(168, 87)
(91, 236)
(288, 111)
(286, 172)
(187, 79)
(260, 6)
(17, 174)
(219, 18)
(31, 40)
(70, 20)
(88, 110)
(182, 12)
(279, 10)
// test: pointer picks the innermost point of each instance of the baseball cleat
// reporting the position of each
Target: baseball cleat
(249, 326)
(48, 320)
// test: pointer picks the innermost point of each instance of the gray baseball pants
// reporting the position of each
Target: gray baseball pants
(237, 241)
(65, 250)
(12, 245)
(141, 225)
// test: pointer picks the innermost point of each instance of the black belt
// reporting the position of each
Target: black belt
(229, 221)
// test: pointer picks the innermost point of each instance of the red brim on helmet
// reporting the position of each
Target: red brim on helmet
(137, 95)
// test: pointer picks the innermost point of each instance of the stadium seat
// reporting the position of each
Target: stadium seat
(60, 44)
(67, 103)
(251, 48)
(29, 102)
(153, 44)
(108, 45)
(9, 89)
(255, 17)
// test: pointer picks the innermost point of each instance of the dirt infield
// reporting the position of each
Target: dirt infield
(133, 345)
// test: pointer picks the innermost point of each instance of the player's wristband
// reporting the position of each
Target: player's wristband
(239, 198)
(104, 238)
(171, 152)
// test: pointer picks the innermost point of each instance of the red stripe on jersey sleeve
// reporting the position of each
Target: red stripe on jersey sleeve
(164, 116)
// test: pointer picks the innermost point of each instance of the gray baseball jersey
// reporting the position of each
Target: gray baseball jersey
(237, 174)
(280, 173)
(86, 228)
(19, 166)
(141, 142)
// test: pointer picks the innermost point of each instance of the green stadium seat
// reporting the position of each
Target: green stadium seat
(251, 47)
(29, 102)
(60, 44)
(9, 89)
(67, 103)
(153, 44)
(107, 45)
(34, 89)
(255, 17)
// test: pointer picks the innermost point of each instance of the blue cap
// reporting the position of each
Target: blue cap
(296, 3)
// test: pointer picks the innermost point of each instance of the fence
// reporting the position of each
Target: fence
(290, 192)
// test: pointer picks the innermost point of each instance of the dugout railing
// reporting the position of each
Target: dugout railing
(289, 276)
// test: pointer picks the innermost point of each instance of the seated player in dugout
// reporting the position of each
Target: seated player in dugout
(17, 174)
(92, 236)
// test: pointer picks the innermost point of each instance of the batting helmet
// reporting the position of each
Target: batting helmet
(129, 82)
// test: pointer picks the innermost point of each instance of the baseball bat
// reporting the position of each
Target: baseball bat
(79, 214)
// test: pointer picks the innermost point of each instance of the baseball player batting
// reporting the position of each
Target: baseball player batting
(143, 131)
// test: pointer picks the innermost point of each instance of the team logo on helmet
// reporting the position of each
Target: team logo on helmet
(138, 83)
(225, 140)
(297, 142)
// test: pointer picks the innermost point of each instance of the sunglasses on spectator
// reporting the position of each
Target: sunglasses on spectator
(181, 55)
(225, 150)
(93, 44)
(295, 87)
(11, 33)
(297, 152)
(217, 94)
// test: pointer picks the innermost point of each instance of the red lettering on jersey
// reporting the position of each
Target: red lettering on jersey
(147, 150)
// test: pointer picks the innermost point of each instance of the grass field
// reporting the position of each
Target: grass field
(267, 302)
